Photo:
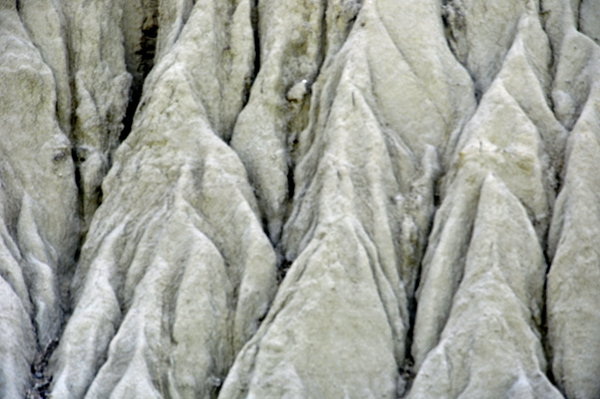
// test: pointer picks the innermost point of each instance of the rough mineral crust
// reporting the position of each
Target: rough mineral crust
(258, 199)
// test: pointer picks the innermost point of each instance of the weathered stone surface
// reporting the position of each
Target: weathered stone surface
(572, 290)
(38, 207)
(46, 25)
(362, 207)
(176, 270)
(290, 51)
(299, 199)
(572, 293)
(490, 344)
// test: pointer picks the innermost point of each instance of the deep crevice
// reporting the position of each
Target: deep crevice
(408, 372)
(254, 21)
(282, 270)
(135, 95)
(147, 49)
(543, 328)
(146, 54)
(41, 381)
(454, 22)
(249, 81)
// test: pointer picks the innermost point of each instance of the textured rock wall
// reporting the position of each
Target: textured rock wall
(299, 199)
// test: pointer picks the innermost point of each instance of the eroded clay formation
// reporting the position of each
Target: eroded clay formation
(299, 199)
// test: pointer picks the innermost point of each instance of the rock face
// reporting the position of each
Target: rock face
(299, 199)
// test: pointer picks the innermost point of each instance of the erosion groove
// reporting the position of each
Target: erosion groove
(299, 199)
